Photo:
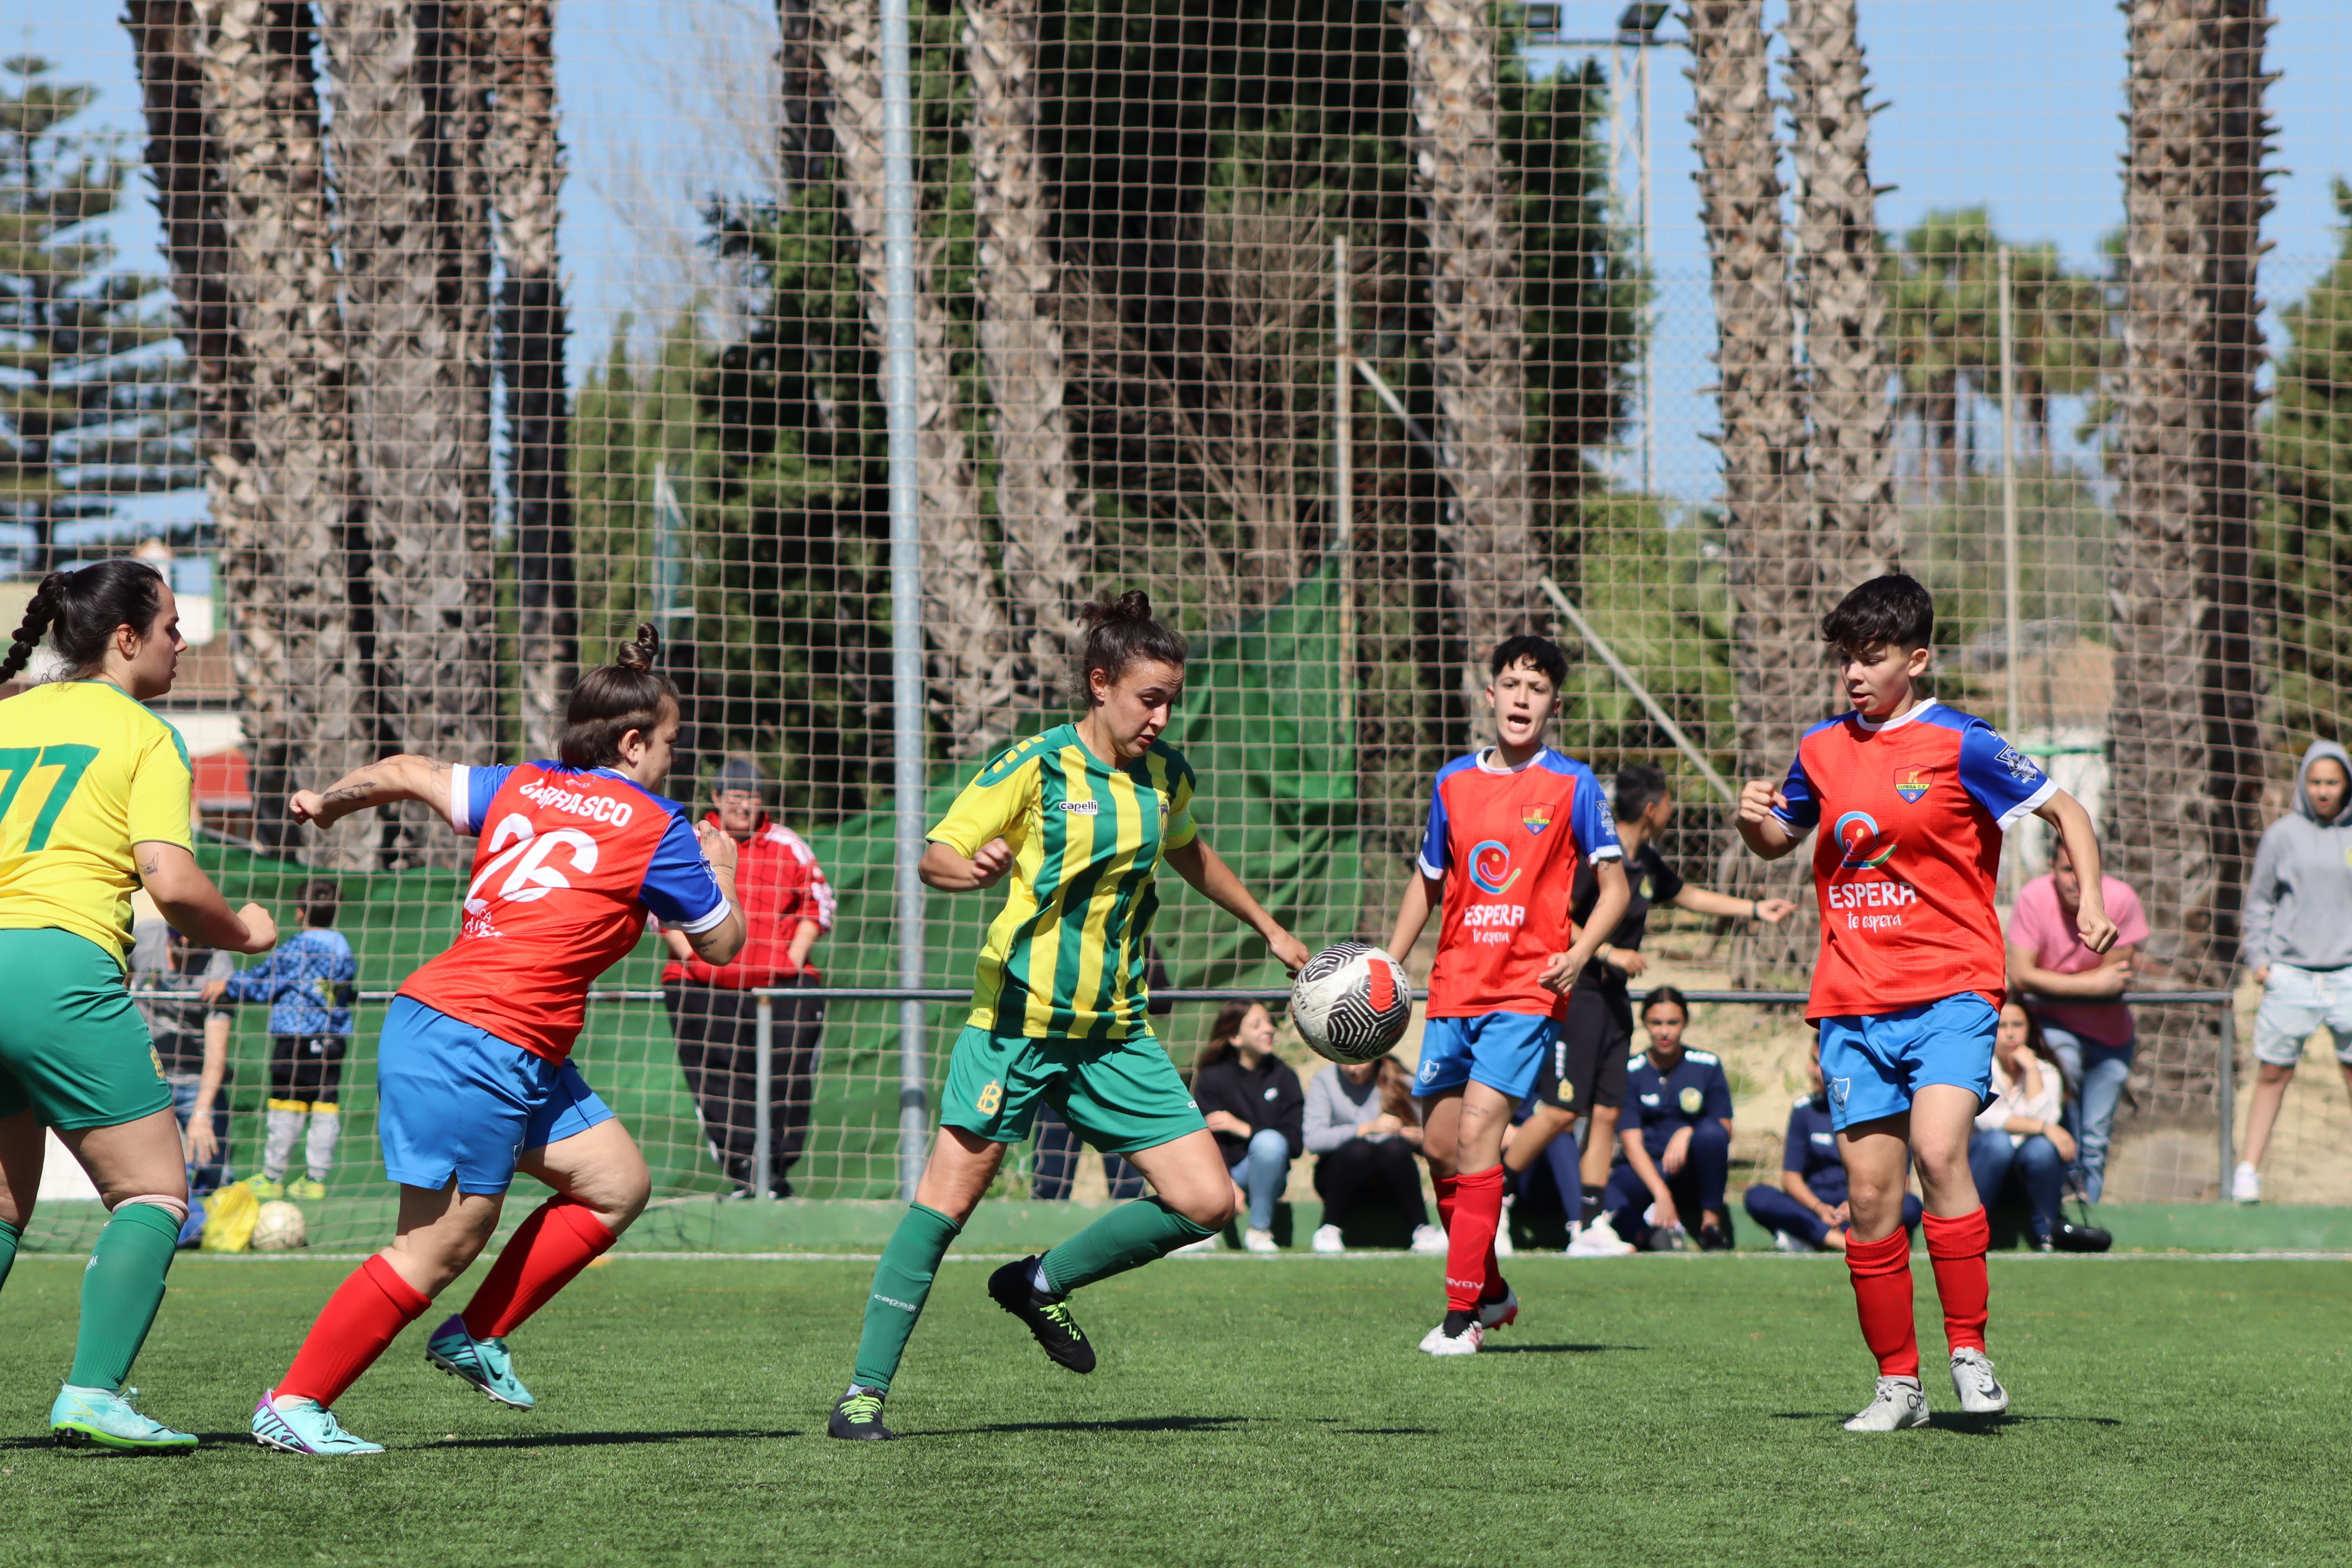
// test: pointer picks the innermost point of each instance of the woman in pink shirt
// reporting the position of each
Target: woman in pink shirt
(2090, 1032)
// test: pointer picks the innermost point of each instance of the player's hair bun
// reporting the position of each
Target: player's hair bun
(642, 652)
(612, 700)
(1120, 631)
(1124, 609)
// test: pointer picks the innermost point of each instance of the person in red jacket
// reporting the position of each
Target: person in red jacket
(787, 904)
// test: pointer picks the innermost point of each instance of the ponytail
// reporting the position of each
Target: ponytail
(77, 612)
(1120, 632)
(612, 700)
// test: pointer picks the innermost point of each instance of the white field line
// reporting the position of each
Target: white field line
(1362, 1254)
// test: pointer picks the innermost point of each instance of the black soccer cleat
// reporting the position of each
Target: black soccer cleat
(857, 1416)
(1714, 1238)
(1049, 1316)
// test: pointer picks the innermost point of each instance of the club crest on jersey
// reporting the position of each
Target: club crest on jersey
(1536, 817)
(2021, 768)
(1690, 1099)
(1913, 783)
(1839, 1088)
(1491, 871)
(1860, 843)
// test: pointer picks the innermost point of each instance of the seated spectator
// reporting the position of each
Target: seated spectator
(1252, 1102)
(2090, 1034)
(1676, 1136)
(2298, 943)
(2018, 1138)
(1365, 1133)
(1807, 1212)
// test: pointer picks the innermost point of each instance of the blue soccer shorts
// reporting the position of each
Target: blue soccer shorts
(455, 1100)
(1505, 1051)
(1873, 1064)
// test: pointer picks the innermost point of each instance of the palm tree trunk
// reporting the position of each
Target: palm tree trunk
(972, 662)
(526, 180)
(283, 494)
(1850, 453)
(1778, 674)
(1041, 510)
(1489, 555)
(2185, 788)
(405, 97)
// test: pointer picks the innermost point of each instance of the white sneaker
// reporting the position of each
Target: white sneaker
(1327, 1239)
(1980, 1392)
(1503, 1248)
(1500, 1313)
(1256, 1240)
(1790, 1241)
(2246, 1184)
(1428, 1241)
(1598, 1238)
(1438, 1342)
(1899, 1403)
(1206, 1244)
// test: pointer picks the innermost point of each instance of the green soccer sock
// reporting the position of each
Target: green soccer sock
(10, 1235)
(1130, 1237)
(121, 1289)
(902, 1282)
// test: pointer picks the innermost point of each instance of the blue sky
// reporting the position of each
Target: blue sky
(2013, 104)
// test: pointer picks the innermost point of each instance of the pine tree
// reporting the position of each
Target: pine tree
(96, 401)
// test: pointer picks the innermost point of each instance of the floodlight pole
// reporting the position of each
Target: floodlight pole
(2013, 714)
(908, 728)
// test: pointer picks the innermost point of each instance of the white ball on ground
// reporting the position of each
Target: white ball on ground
(280, 1228)
(1352, 1003)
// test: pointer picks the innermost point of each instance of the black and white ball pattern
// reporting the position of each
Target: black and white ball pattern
(1351, 1003)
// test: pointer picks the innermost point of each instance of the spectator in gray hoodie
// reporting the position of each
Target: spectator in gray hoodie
(1362, 1125)
(2298, 941)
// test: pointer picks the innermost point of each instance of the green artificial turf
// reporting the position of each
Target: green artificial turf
(1644, 1411)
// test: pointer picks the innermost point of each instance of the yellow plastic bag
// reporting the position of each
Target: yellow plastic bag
(229, 1216)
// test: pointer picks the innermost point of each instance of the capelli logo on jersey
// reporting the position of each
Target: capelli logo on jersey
(1491, 871)
(1861, 846)
(1911, 783)
(1077, 807)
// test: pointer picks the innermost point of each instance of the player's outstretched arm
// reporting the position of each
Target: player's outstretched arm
(378, 783)
(1214, 881)
(2065, 813)
(194, 905)
(1764, 834)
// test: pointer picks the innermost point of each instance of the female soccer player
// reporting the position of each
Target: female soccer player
(473, 1075)
(1082, 817)
(1912, 799)
(94, 792)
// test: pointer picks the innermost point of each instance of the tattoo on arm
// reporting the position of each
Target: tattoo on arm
(346, 794)
(150, 865)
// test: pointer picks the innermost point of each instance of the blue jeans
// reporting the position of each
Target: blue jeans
(208, 1178)
(2099, 1073)
(2034, 1164)
(1261, 1171)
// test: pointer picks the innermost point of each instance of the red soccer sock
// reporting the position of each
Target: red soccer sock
(546, 1253)
(358, 1324)
(1882, 1299)
(1448, 1190)
(1956, 1250)
(1470, 1237)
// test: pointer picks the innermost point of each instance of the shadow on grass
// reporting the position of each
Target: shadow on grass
(1554, 1349)
(1956, 1421)
(597, 1439)
(1132, 1424)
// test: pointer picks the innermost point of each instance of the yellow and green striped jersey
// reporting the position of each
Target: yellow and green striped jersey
(1065, 958)
(86, 771)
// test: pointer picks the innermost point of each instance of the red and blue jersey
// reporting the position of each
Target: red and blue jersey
(570, 861)
(1911, 813)
(1507, 842)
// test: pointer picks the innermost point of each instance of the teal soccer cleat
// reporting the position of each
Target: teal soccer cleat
(310, 1427)
(485, 1363)
(102, 1418)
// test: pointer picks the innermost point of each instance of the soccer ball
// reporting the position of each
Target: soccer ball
(281, 1228)
(1351, 1003)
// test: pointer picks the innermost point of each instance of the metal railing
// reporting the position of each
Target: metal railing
(913, 1134)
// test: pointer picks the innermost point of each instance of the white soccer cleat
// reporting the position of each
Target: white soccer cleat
(1503, 1248)
(1327, 1239)
(1790, 1241)
(1980, 1392)
(1900, 1404)
(1256, 1240)
(2245, 1185)
(1428, 1241)
(1501, 1312)
(1598, 1238)
(1437, 1341)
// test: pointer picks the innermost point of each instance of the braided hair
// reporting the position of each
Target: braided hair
(77, 612)
(612, 700)
(1120, 632)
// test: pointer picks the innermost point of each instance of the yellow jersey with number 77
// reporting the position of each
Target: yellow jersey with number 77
(86, 771)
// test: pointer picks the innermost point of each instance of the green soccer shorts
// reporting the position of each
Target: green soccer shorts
(1119, 1095)
(73, 1048)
